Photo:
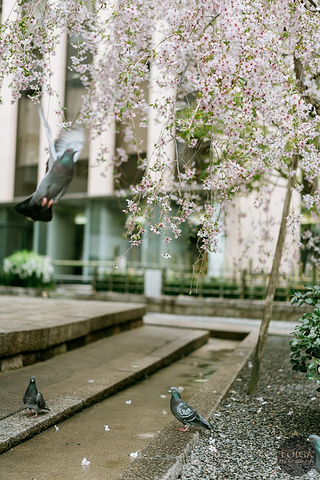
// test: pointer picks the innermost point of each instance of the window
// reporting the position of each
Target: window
(129, 172)
(73, 102)
(27, 152)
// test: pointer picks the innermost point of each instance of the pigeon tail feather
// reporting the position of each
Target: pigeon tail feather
(35, 212)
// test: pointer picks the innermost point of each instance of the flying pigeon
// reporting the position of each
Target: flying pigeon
(33, 399)
(315, 442)
(64, 152)
(185, 413)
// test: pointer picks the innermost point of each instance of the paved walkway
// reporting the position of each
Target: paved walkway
(112, 363)
(134, 417)
(215, 324)
(116, 362)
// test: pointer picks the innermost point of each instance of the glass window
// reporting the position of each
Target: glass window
(73, 102)
(16, 232)
(27, 153)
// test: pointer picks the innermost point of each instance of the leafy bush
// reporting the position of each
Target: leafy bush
(27, 269)
(305, 347)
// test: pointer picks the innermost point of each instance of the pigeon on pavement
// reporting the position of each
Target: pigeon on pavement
(185, 413)
(315, 442)
(33, 399)
(64, 152)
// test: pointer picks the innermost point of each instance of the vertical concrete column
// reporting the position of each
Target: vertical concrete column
(86, 241)
(8, 127)
(216, 260)
(52, 104)
(157, 123)
(152, 283)
(100, 175)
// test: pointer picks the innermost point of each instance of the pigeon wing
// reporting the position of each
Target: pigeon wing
(199, 421)
(53, 153)
(72, 139)
(189, 416)
(186, 413)
(41, 401)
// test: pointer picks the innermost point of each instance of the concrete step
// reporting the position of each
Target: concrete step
(75, 380)
(36, 329)
(145, 426)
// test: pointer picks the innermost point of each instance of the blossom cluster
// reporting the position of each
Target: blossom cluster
(237, 93)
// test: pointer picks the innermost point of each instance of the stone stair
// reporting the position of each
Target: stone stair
(78, 377)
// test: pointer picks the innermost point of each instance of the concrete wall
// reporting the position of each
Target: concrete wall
(252, 233)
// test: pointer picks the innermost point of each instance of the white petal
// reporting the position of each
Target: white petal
(134, 454)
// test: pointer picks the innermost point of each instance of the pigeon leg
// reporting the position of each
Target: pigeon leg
(34, 416)
(50, 203)
(44, 201)
(29, 413)
(183, 429)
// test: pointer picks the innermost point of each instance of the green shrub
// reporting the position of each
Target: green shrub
(27, 269)
(305, 347)
(121, 283)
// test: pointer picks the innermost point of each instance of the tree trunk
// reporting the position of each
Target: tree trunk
(273, 280)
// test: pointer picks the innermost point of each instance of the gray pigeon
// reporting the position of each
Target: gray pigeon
(64, 152)
(185, 413)
(33, 399)
(315, 442)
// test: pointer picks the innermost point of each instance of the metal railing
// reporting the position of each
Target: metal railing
(103, 275)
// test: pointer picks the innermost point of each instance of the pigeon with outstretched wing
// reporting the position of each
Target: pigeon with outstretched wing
(64, 152)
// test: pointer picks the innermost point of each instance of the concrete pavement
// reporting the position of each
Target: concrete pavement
(134, 417)
(222, 326)
(74, 380)
(114, 363)
(36, 329)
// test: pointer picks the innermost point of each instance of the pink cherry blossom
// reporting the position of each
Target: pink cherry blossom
(237, 81)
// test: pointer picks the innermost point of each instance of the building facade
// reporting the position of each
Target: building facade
(88, 222)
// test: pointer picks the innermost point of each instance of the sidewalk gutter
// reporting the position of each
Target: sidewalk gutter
(163, 457)
(110, 378)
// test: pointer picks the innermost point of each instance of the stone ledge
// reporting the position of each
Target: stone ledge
(29, 358)
(213, 307)
(179, 305)
(36, 329)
